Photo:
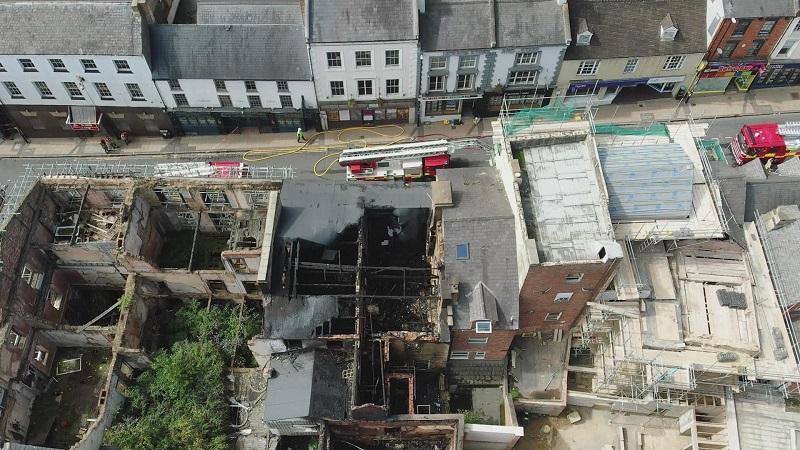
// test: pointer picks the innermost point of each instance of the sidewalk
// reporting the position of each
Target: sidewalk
(758, 102)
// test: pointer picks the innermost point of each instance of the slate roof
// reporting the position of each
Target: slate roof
(297, 318)
(361, 20)
(233, 52)
(307, 383)
(522, 23)
(482, 304)
(624, 28)
(467, 24)
(785, 245)
(70, 28)
(766, 195)
(759, 8)
(249, 12)
(481, 217)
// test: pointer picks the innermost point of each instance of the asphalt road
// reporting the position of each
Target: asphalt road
(725, 128)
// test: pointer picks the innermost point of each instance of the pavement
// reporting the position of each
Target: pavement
(759, 102)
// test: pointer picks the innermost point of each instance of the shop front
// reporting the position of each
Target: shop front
(717, 77)
(777, 75)
(357, 114)
(193, 122)
(434, 108)
(84, 120)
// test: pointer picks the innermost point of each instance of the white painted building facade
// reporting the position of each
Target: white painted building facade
(196, 93)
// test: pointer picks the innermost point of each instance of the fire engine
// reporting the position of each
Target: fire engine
(765, 141)
(401, 161)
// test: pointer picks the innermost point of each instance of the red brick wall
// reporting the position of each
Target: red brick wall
(543, 282)
(496, 348)
(725, 32)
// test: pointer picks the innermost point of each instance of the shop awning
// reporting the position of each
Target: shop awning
(84, 118)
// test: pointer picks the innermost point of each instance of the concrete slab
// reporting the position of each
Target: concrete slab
(488, 402)
(540, 368)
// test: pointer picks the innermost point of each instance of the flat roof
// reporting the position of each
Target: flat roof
(566, 199)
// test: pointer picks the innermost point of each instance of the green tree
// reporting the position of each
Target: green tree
(218, 324)
(176, 404)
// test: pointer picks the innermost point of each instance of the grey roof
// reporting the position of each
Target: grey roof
(252, 12)
(647, 181)
(233, 52)
(766, 195)
(522, 23)
(481, 217)
(467, 24)
(624, 28)
(785, 245)
(297, 318)
(789, 168)
(70, 28)
(361, 20)
(759, 8)
(482, 303)
(307, 383)
(456, 25)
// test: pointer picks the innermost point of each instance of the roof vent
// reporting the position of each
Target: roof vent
(668, 29)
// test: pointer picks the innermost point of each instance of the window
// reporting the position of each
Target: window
(552, 317)
(89, 66)
(103, 91)
(631, 65)
(483, 326)
(337, 88)
(283, 86)
(40, 355)
(438, 62)
(54, 298)
(585, 38)
(741, 27)
(31, 278)
(674, 62)
(135, 91)
(15, 338)
(122, 66)
(73, 90)
(250, 86)
(526, 58)
(563, 297)
(523, 77)
(464, 81)
(44, 91)
(588, 67)
(364, 87)
(392, 87)
(225, 101)
(12, 89)
(573, 278)
(459, 355)
(462, 251)
(58, 65)
(797, 27)
(220, 86)
(477, 340)
(2, 68)
(480, 355)
(174, 85)
(27, 65)
(392, 58)
(254, 101)
(334, 59)
(180, 99)
(766, 28)
(363, 58)
(436, 83)
(468, 62)
(787, 46)
(758, 44)
(730, 46)
(286, 101)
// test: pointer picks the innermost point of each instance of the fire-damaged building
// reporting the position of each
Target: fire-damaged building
(87, 266)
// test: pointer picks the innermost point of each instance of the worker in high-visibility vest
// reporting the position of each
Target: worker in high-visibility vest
(300, 135)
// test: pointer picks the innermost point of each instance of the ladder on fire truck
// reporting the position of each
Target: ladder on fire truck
(789, 129)
(397, 151)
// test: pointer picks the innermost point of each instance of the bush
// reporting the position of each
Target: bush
(218, 324)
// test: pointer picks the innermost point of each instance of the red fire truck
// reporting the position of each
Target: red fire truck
(765, 141)
(401, 161)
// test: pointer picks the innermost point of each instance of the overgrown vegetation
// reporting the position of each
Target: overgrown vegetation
(125, 301)
(476, 417)
(178, 402)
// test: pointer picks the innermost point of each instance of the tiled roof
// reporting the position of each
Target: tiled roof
(361, 20)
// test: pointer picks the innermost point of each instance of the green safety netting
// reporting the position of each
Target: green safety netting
(554, 112)
(656, 129)
(713, 149)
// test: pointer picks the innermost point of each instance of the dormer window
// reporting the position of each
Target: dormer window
(483, 326)
(582, 34)
(668, 29)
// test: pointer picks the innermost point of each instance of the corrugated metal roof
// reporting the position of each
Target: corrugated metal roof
(647, 182)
